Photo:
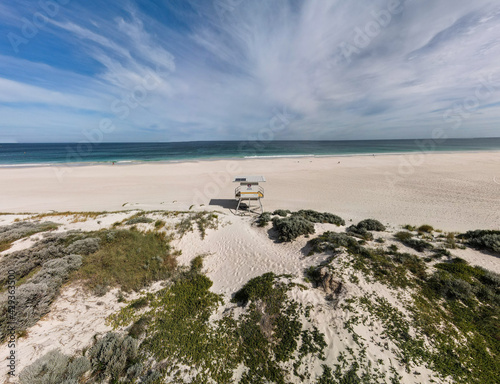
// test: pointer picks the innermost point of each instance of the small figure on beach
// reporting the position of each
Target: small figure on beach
(113, 163)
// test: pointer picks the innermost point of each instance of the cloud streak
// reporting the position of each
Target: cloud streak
(224, 69)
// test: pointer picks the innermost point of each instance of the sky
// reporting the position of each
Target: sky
(186, 70)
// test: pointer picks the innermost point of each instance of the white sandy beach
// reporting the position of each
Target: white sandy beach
(451, 191)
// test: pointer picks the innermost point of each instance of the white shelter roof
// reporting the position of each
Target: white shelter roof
(249, 179)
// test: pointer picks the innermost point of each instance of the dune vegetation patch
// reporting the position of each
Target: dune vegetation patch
(487, 240)
(202, 220)
(363, 228)
(271, 336)
(408, 239)
(450, 322)
(20, 230)
(128, 259)
(291, 225)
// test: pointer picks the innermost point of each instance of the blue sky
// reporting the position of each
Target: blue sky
(184, 70)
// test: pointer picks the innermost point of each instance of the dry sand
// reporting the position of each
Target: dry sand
(451, 191)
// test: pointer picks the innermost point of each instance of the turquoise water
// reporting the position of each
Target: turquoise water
(86, 152)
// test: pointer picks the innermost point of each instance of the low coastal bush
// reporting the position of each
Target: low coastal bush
(203, 221)
(112, 355)
(371, 225)
(318, 217)
(403, 236)
(159, 224)
(440, 252)
(25, 262)
(85, 246)
(425, 228)
(35, 296)
(418, 245)
(139, 220)
(264, 219)
(291, 227)
(488, 240)
(282, 212)
(138, 329)
(256, 288)
(19, 230)
(55, 368)
(361, 233)
(407, 239)
(450, 241)
(332, 241)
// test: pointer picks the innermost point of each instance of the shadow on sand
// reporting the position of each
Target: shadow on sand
(224, 203)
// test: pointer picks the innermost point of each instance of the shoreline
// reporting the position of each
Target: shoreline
(122, 163)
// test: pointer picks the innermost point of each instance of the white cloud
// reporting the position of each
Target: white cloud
(227, 71)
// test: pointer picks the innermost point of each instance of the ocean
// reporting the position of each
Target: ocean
(86, 152)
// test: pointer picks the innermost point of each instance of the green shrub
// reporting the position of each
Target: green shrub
(361, 233)
(418, 245)
(112, 355)
(409, 227)
(281, 212)
(371, 225)
(332, 241)
(407, 239)
(159, 224)
(140, 303)
(137, 329)
(289, 228)
(450, 241)
(35, 296)
(450, 287)
(197, 264)
(84, 247)
(425, 228)
(55, 368)
(264, 219)
(317, 217)
(139, 220)
(203, 221)
(19, 230)
(181, 332)
(488, 240)
(403, 236)
(256, 288)
(24, 262)
(440, 252)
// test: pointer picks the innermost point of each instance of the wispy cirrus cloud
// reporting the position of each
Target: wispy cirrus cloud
(222, 74)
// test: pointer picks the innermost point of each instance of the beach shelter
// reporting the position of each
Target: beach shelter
(249, 190)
